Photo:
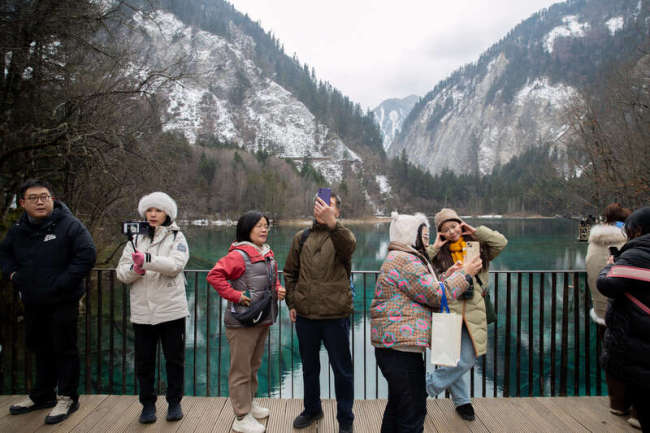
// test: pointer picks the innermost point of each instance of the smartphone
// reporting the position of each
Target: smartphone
(613, 251)
(472, 250)
(325, 194)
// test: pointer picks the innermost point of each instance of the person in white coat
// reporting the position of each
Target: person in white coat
(154, 271)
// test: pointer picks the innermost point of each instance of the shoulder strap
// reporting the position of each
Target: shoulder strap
(303, 238)
(245, 256)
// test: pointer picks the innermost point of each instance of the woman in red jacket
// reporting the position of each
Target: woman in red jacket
(247, 277)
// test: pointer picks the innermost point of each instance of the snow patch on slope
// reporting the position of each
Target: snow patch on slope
(614, 24)
(570, 28)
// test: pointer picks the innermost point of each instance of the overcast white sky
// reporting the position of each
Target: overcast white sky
(373, 50)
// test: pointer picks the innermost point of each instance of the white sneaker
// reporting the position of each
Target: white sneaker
(248, 424)
(634, 422)
(259, 412)
(29, 405)
(64, 407)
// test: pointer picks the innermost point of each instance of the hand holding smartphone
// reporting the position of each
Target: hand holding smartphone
(325, 194)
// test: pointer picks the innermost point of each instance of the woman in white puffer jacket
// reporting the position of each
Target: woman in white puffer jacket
(158, 301)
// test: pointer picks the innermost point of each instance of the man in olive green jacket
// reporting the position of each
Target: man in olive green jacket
(319, 298)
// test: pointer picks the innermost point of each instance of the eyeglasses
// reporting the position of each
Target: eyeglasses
(35, 198)
(263, 227)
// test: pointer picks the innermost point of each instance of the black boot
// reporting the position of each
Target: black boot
(466, 411)
(174, 412)
(148, 414)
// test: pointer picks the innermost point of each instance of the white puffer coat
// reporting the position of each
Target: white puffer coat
(159, 295)
(601, 237)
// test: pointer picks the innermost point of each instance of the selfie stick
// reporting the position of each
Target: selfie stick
(130, 236)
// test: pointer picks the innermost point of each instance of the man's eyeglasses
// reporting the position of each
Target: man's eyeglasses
(35, 198)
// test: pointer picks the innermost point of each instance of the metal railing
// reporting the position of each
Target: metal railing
(543, 342)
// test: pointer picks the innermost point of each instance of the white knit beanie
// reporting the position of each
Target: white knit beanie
(159, 200)
(404, 228)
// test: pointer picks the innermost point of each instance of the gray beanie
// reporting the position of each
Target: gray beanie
(404, 228)
(159, 200)
(445, 215)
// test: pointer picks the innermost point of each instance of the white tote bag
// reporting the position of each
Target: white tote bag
(446, 330)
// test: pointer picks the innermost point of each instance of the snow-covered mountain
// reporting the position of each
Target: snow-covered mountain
(390, 114)
(514, 96)
(226, 96)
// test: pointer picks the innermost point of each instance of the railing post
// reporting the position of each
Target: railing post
(99, 333)
(553, 319)
(542, 299)
(111, 342)
(576, 334)
(587, 339)
(531, 334)
(564, 364)
(506, 366)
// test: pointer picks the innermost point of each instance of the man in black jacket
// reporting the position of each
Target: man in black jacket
(46, 255)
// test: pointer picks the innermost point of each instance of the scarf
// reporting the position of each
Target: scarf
(456, 249)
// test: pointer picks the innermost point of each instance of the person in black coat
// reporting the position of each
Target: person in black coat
(46, 255)
(626, 279)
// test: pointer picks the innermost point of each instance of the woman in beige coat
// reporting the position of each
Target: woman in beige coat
(447, 250)
(601, 238)
(152, 265)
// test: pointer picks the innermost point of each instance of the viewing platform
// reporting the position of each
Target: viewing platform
(119, 413)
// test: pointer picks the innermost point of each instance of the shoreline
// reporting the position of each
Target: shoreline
(298, 222)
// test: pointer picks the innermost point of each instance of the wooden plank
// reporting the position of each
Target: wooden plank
(194, 414)
(328, 423)
(223, 423)
(544, 418)
(490, 416)
(109, 412)
(591, 413)
(210, 417)
(368, 415)
(6, 401)
(172, 426)
(294, 408)
(445, 419)
(87, 405)
(278, 421)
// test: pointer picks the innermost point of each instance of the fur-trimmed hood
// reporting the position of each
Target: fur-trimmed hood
(606, 234)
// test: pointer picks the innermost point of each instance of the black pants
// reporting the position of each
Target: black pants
(51, 333)
(407, 395)
(172, 336)
(640, 395)
(335, 334)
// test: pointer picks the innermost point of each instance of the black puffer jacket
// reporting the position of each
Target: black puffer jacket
(626, 353)
(49, 260)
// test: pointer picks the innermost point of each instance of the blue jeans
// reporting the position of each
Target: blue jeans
(335, 334)
(456, 379)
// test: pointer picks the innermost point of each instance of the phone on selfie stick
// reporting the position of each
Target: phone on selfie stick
(325, 194)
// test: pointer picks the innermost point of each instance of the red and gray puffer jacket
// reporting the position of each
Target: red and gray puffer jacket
(255, 270)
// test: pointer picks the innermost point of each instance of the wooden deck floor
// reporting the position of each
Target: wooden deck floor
(119, 413)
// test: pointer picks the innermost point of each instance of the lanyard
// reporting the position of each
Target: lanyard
(443, 302)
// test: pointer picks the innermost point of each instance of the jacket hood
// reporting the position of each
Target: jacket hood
(404, 228)
(641, 242)
(606, 234)
(254, 252)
